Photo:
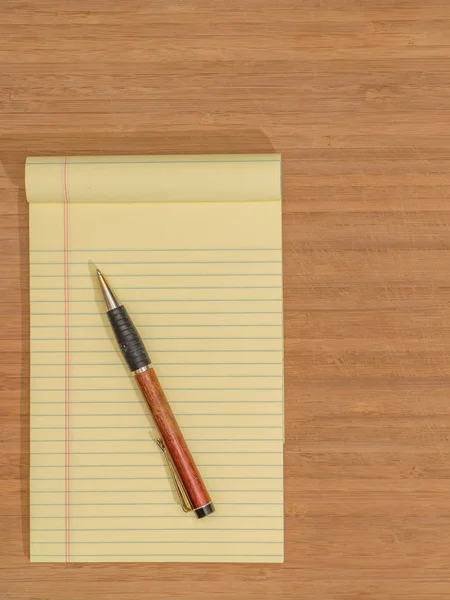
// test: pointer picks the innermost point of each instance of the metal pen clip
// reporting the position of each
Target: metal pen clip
(179, 487)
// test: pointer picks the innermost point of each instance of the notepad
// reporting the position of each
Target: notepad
(192, 246)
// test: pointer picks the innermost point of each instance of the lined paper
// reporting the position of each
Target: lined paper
(201, 276)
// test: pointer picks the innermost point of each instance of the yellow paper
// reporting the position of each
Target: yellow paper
(192, 246)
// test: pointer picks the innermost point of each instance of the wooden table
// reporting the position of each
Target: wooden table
(354, 94)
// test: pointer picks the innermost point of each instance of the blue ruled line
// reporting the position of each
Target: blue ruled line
(93, 402)
(160, 376)
(163, 542)
(157, 300)
(165, 262)
(155, 350)
(160, 516)
(155, 364)
(127, 389)
(194, 414)
(106, 337)
(115, 440)
(170, 275)
(96, 313)
(146, 287)
(165, 529)
(147, 427)
(101, 555)
(148, 466)
(159, 326)
(153, 162)
(132, 479)
(149, 452)
(140, 503)
(234, 312)
(163, 249)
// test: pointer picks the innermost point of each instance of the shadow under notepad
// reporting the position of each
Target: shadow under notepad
(13, 152)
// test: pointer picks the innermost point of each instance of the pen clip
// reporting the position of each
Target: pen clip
(179, 487)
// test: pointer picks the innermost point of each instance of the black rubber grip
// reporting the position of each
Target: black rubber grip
(128, 338)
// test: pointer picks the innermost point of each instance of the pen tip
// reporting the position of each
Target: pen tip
(109, 296)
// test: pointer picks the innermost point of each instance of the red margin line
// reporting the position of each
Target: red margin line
(66, 363)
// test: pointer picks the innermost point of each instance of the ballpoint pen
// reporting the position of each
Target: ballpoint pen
(189, 485)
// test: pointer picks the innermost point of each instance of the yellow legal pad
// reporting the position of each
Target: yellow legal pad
(192, 245)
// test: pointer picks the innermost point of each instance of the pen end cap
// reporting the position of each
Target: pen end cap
(204, 511)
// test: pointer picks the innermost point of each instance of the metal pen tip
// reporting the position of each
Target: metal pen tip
(111, 301)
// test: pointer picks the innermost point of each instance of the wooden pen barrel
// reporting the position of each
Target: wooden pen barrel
(173, 438)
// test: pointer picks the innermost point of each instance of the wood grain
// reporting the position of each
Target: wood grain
(173, 439)
(355, 96)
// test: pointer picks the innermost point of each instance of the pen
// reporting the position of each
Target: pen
(189, 485)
